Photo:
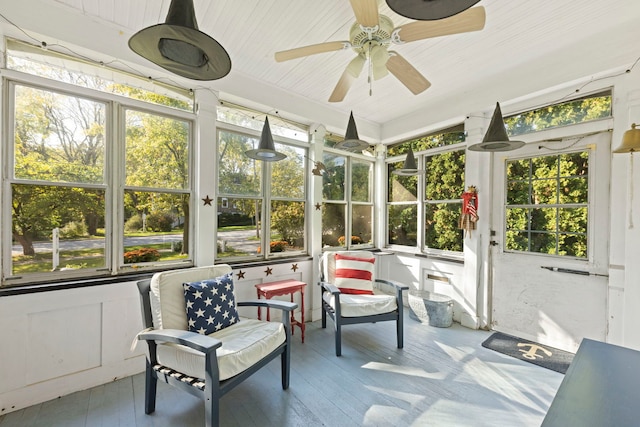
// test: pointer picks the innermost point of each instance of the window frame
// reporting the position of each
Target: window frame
(347, 201)
(421, 201)
(264, 195)
(113, 183)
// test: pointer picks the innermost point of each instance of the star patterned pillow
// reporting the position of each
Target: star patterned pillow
(210, 304)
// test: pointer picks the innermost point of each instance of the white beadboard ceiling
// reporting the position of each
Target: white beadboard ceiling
(526, 47)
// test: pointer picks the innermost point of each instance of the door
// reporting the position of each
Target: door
(549, 248)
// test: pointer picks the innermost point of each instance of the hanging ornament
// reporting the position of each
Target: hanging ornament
(469, 216)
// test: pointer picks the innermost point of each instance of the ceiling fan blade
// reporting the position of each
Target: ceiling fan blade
(407, 74)
(366, 12)
(470, 20)
(350, 74)
(313, 49)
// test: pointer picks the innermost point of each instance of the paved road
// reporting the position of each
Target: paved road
(239, 240)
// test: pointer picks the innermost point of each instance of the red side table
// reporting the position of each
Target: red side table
(284, 287)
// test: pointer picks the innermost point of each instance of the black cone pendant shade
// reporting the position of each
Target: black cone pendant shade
(178, 45)
(409, 168)
(428, 10)
(496, 138)
(351, 140)
(266, 150)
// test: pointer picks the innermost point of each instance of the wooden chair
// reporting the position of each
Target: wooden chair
(347, 279)
(211, 365)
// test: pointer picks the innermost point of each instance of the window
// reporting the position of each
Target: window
(94, 186)
(261, 205)
(423, 211)
(347, 193)
(547, 204)
(591, 107)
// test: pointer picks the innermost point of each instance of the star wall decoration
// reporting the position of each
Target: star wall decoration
(207, 200)
(318, 206)
(240, 274)
(294, 267)
(269, 271)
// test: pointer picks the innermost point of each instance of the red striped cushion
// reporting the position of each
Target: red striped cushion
(354, 275)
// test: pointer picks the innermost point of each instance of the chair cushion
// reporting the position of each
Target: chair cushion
(362, 305)
(167, 294)
(354, 274)
(210, 304)
(243, 345)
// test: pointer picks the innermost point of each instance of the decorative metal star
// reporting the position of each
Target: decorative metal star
(269, 271)
(294, 267)
(240, 274)
(207, 200)
(318, 206)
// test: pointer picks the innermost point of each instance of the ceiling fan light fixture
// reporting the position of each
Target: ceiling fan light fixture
(266, 150)
(409, 168)
(496, 138)
(429, 10)
(352, 141)
(630, 141)
(178, 46)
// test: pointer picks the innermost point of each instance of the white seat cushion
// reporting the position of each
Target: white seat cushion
(353, 305)
(243, 345)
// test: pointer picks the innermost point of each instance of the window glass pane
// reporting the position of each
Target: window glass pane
(517, 192)
(246, 118)
(517, 240)
(287, 226)
(287, 175)
(544, 243)
(333, 181)
(543, 219)
(517, 219)
(157, 153)
(591, 107)
(572, 245)
(65, 68)
(239, 227)
(445, 175)
(441, 226)
(156, 227)
(402, 188)
(361, 178)
(545, 191)
(441, 138)
(237, 173)
(78, 214)
(58, 138)
(333, 224)
(403, 225)
(361, 224)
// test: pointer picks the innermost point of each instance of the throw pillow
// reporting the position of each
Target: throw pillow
(210, 304)
(354, 275)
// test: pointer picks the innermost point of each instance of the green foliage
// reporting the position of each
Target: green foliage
(593, 107)
(74, 229)
(141, 255)
(160, 221)
(133, 224)
(287, 218)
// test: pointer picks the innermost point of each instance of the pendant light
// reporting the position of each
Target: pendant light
(409, 168)
(178, 45)
(266, 150)
(428, 10)
(351, 140)
(496, 138)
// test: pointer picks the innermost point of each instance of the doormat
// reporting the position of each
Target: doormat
(529, 351)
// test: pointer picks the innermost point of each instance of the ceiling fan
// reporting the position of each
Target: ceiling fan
(370, 38)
